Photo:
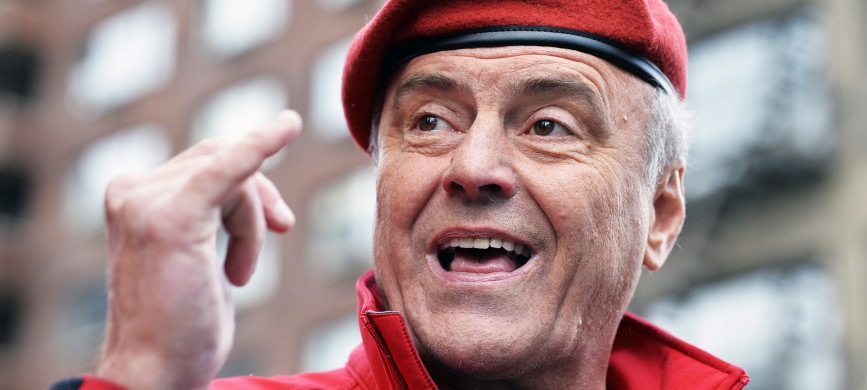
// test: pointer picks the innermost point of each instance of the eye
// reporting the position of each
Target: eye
(432, 123)
(547, 127)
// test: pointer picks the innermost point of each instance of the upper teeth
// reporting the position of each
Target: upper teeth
(485, 243)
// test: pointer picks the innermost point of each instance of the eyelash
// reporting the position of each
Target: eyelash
(564, 129)
(544, 124)
(417, 121)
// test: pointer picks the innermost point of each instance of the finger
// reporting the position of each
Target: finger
(203, 147)
(245, 224)
(278, 215)
(233, 165)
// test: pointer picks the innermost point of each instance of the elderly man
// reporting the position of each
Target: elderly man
(529, 162)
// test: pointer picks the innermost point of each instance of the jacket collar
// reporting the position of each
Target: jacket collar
(643, 356)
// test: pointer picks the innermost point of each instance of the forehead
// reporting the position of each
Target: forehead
(513, 52)
(493, 70)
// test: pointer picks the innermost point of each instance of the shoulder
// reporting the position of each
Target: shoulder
(647, 357)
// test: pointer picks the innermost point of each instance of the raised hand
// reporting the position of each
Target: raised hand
(171, 318)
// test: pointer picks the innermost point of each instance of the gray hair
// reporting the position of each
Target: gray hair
(668, 125)
(373, 144)
(668, 122)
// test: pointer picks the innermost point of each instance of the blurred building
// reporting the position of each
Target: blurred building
(770, 272)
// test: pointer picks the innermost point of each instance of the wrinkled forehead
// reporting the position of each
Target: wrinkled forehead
(496, 66)
(520, 71)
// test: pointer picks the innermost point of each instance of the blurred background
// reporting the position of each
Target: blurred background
(770, 271)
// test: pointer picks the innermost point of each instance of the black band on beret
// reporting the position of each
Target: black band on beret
(599, 46)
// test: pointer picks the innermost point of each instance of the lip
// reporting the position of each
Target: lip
(461, 278)
(461, 232)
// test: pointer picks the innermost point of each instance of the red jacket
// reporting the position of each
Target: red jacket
(644, 357)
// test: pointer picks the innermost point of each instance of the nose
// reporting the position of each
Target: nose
(481, 167)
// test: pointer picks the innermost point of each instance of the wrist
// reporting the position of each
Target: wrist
(144, 370)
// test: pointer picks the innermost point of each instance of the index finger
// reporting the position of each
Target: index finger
(231, 166)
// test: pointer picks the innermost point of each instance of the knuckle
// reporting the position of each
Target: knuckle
(149, 219)
(210, 145)
(117, 191)
(252, 143)
(207, 174)
(122, 210)
(133, 208)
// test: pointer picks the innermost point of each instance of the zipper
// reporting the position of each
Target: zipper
(374, 331)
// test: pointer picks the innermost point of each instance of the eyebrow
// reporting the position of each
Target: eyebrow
(435, 81)
(565, 87)
(540, 86)
(536, 87)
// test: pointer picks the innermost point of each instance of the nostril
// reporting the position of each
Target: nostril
(455, 188)
(487, 191)
(480, 184)
(490, 189)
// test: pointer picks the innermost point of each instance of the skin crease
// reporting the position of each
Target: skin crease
(577, 198)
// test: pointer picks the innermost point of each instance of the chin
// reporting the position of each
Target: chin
(477, 363)
(498, 351)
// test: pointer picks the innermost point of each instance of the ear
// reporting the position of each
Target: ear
(666, 216)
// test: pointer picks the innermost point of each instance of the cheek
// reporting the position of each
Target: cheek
(589, 199)
(598, 229)
(405, 184)
(574, 202)
(599, 247)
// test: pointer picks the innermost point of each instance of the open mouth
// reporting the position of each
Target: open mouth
(482, 255)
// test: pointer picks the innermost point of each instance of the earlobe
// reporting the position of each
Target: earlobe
(667, 216)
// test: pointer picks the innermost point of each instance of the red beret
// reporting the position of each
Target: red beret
(640, 36)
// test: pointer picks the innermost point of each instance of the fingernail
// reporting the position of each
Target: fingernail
(285, 213)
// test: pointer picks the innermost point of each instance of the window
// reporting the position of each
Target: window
(11, 309)
(82, 320)
(762, 102)
(231, 26)
(265, 279)
(15, 184)
(19, 67)
(129, 150)
(780, 324)
(325, 103)
(336, 5)
(341, 220)
(329, 346)
(239, 108)
(128, 55)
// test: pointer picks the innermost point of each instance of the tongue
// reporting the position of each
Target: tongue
(493, 261)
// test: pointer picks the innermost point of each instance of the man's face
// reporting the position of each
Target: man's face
(512, 213)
